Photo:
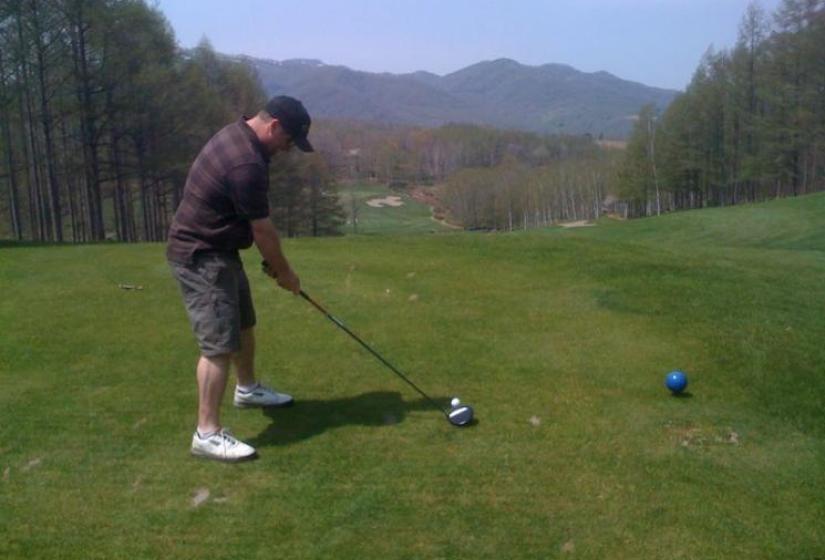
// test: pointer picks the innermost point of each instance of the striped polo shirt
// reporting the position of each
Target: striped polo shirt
(226, 189)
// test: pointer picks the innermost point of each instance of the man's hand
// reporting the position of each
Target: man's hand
(289, 281)
(286, 279)
(275, 263)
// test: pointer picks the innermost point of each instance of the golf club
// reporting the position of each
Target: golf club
(459, 415)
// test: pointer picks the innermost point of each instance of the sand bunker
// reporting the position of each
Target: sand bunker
(579, 223)
(387, 201)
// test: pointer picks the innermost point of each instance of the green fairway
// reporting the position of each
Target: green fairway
(560, 339)
(381, 217)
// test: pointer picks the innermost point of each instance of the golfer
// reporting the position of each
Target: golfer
(225, 209)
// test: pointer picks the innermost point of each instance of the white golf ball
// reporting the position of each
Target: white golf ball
(455, 402)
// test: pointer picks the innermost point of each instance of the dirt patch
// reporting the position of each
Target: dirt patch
(137, 484)
(612, 144)
(429, 196)
(200, 497)
(578, 223)
(694, 437)
(33, 464)
(393, 201)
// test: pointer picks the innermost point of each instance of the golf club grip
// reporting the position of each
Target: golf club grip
(303, 294)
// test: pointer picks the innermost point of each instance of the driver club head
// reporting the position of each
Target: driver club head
(461, 416)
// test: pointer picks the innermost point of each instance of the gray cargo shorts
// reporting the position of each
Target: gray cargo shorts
(217, 299)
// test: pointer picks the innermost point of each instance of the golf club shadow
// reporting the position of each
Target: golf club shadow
(309, 418)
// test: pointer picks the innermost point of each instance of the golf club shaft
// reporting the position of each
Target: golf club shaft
(395, 370)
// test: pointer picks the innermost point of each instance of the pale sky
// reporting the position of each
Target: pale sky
(655, 42)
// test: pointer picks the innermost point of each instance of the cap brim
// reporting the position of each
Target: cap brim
(303, 144)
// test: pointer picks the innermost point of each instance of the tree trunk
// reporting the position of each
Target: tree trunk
(14, 204)
(93, 201)
(37, 211)
(53, 191)
(71, 185)
(145, 198)
(118, 202)
(651, 135)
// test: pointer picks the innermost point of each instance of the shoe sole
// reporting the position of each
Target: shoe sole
(208, 457)
(254, 405)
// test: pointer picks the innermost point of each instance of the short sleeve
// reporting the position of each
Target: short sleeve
(248, 185)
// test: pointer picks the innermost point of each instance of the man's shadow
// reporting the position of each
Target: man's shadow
(309, 418)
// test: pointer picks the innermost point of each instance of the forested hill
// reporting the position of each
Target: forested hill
(552, 98)
(750, 126)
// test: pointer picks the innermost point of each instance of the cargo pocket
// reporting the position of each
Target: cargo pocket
(223, 299)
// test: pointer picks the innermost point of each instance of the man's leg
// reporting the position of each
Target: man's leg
(212, 441)
(212, 374)
(210, 294)
(249, 393)
(244, 359)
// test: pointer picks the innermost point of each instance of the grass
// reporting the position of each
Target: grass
(411, 217)
(560, 339)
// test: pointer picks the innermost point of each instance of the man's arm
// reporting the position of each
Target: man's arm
(269, 244)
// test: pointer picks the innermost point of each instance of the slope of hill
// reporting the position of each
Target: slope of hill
(552, 98)
(560, 339)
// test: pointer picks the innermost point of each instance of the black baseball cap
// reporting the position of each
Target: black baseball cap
(293, 117)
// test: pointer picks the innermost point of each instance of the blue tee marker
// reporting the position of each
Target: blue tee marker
(676, 381)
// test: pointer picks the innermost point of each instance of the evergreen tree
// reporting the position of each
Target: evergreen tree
(750, 124)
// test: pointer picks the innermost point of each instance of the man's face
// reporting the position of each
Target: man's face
(279, 140)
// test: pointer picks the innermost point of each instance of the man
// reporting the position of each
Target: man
(225, 209)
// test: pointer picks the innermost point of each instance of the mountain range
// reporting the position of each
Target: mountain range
(547, 99)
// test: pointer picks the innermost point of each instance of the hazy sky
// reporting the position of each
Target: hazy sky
(656, 42)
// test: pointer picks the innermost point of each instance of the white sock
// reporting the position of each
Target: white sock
(247, 388)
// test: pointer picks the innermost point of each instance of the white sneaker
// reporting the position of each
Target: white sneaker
(261, 396)
(221, 446)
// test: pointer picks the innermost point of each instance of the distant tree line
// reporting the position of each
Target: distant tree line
(485, 178)
(101, 116)
(514, 195)
(403, 154)
(750, 126)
